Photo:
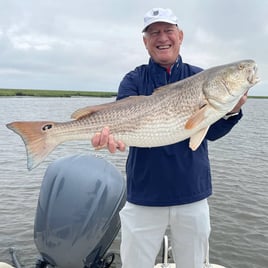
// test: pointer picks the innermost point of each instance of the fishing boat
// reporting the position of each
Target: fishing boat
(77, 216)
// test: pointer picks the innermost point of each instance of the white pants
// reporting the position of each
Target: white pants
(143, 229)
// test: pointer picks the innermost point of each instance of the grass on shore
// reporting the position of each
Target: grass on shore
(66, 93)
(53, 93)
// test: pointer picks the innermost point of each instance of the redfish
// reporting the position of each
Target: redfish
(175, 112)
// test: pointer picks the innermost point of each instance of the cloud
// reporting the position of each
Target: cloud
(90, 45)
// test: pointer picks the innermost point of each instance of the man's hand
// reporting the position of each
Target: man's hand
(241, 102)
(104, 139)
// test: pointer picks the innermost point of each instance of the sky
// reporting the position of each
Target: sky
(91, 44)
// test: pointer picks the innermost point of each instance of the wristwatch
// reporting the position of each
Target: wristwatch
(228, 115)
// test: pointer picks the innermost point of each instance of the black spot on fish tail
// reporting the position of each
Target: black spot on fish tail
(47, 127)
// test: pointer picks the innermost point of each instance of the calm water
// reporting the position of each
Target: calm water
(239, 205)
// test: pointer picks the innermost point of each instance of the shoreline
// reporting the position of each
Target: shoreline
(67, 93)
(53, 93)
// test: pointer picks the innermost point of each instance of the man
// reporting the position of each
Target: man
(168, 185)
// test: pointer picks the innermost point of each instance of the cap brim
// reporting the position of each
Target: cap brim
(157, 20)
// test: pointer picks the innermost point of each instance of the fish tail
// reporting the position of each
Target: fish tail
(36, 138)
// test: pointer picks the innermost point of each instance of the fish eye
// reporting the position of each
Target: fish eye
(240, 66)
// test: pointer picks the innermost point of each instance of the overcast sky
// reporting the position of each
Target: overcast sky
(92, 44)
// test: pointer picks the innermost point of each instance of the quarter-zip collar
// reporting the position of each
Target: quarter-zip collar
(160, 74)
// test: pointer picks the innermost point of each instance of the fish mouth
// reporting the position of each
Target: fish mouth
(253, 77)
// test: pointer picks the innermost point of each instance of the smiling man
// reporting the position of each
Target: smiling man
(167, 186)
(163, 41)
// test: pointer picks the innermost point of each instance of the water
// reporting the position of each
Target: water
(239, 205)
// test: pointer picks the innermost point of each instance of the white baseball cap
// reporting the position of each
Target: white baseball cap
(159, 15)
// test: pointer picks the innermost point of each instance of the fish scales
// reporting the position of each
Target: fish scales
(175, 112)
(138, 124)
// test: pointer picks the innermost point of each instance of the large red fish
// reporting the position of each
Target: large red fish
(175, 112)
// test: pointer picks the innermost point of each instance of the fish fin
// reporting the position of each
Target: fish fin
(86, 111)
(36, 139)
(83, 112)
(196, 118)
(197, 138)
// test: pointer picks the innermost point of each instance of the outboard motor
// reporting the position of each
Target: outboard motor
(77, 215)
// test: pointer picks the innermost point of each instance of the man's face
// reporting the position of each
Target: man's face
(163, 40)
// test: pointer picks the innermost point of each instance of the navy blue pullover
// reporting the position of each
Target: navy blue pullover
(173, 174)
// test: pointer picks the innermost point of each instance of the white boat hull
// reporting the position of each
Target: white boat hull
(173, 265)
(5, 265)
